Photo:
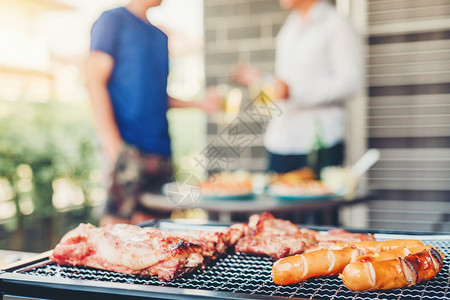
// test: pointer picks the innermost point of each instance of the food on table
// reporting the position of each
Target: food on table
(228, 184)
(145, 251)
(301, 182)
(303, 174)
(324, 262)
(394, 273)
(279, 238)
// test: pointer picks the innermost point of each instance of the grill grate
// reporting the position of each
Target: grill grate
(248, 274)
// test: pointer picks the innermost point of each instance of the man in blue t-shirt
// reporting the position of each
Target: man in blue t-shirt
(127, 83)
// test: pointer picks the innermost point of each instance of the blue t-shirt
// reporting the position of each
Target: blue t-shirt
(138, 83)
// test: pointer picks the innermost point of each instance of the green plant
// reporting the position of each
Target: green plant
(41, 142)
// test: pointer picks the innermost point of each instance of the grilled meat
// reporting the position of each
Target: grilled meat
(144, 251)
(213, 243)
(128, 249)
(279, 238)
(275, 246)
(275, 237)
(150, 251)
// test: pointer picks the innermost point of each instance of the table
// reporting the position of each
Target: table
(223, 210)
(10, 256)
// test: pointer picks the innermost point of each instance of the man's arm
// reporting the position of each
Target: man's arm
(99, 69)
(210, 103)
(247, 76)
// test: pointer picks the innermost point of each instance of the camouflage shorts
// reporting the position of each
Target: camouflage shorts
(134, 174)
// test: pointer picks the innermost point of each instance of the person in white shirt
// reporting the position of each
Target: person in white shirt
(318, 65)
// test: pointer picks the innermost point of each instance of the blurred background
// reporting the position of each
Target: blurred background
(51, 175)
(50, 172)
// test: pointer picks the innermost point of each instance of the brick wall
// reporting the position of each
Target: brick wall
(239, 30)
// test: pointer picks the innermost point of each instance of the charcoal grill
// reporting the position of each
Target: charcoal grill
(233, 276)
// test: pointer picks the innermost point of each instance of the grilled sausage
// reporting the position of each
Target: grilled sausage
(379, 246)
(427, 263)
(394, 273)
(324, 262)
(392, 254)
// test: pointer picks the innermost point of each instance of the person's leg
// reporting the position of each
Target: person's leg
(333, 156)
(297, 162)
(125, 181)
(277, 163)
(156, 171)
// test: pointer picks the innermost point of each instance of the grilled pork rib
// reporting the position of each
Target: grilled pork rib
(278, 238)
(134, 250)
(275, 237)
(212, 243)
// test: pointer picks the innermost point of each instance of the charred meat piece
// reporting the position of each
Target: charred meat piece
(278, 238)
(275, 237)
(275, 246)
(213, 243)
(144, 251)
(128, 249)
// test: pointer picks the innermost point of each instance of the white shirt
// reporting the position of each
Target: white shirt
(319, 58)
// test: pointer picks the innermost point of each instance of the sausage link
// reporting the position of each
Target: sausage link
(324, 262)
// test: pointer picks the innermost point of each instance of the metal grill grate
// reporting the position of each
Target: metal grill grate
(246, 274)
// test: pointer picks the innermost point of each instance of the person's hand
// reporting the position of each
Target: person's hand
(281, 89)
(245, 75)
(212, 101)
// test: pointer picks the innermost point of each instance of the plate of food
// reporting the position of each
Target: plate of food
(301, 184)
(236, 185)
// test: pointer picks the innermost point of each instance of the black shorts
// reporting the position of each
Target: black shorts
(332, 156)
(134, 174)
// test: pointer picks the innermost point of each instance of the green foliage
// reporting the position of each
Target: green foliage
(54, 139)
(187, 131)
